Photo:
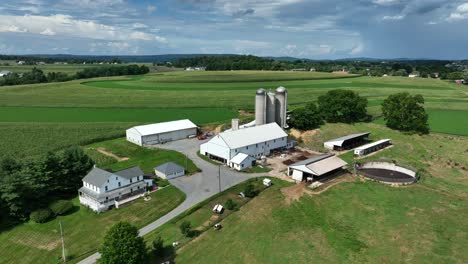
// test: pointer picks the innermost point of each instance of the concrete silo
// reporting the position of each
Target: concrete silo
(281, 106)
(260, 107)
(270, 107)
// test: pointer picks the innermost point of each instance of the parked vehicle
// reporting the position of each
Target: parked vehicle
(202, 137)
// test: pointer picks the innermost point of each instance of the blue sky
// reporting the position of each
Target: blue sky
(318, 29)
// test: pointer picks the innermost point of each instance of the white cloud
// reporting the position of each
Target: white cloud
(139, 26)
(397, 17)
(48, 32)
(64, 25)
(151, 8)
(386, 2)
(461, 13)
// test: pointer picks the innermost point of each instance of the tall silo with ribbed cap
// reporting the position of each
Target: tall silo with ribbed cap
(281, 106)
(270, 107)
(260, 107)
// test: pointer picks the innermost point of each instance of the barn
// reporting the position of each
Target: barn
(315, 167)
(161, 132)
(346, 142)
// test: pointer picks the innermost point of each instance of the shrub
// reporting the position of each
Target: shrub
(41, 215)
(158, 246)
(230, 204)
(249, 190)
(185, 228)
(61, 207)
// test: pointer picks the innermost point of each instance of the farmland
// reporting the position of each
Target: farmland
(107, 106)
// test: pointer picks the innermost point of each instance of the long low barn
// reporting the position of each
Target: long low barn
(315, 167)
(346, 142)
(372, 147)
(161, 132)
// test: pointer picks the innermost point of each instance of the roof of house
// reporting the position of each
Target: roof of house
(339, 141)
(169, 168)
(239, 158)
(5, 72)
(370, 145)
(252, 135)
(130, 172)
(319, 165)
(97, 176)
(163, 127)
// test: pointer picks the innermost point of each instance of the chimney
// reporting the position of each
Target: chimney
(235, 124)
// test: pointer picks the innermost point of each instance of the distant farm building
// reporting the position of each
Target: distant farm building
(169, 170)
(462, 81)
(5, 73)
(161, 132)
(372, 147)
(103, 190)
(413, 75)
(240, 148)
(346, 142)
(195, 68)
(315, 167)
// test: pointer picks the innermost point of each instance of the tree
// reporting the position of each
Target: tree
(158, 246)
(306, 118)
(249, 190)
(185, 228)
(405, 112)
(122, 245)
(75, 163)
(342, 106)
(230, 204)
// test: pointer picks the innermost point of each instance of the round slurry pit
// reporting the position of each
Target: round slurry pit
(387, 172)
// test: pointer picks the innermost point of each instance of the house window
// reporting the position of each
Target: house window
(106, 188)
(256, 145)
(131, 190)
(107, 180)
(274, 141)
(247, 147)
(130, 180)
(119, 184)
(116, 178)
(138, 187)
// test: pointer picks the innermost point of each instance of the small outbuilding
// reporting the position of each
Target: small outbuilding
(372, 147)
(169, 170)
(241, 161)
(267, 182)
(160, 133)
(315, 167)
(346, 142)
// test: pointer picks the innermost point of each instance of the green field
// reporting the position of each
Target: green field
(83, 230)
(68, 68)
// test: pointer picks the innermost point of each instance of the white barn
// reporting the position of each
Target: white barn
(240, 148)
(161, 132)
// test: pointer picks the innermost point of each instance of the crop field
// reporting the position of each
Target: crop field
(65, 68)
(83, 229)
(205, 97)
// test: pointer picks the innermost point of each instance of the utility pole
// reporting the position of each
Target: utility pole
(186, 166)
(63, 243)
(219, 177)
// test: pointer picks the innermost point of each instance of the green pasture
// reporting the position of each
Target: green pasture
(68, 68)
(83, 229)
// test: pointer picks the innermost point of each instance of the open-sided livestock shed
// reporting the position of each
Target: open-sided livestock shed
(346, 142)
(315, 167)
(161, 132)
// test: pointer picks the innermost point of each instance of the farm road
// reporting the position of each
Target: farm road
(197, 187)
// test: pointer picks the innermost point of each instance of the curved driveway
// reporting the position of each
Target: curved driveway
(197, 187)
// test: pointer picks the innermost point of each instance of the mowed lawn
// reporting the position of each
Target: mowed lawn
(135, 155)
(352, 222)
(83, 229)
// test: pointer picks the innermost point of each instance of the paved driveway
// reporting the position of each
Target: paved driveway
(197, 187)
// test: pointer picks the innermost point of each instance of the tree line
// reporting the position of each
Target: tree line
(38, 76)
(401, 111)
(32, 60)
(29, 185)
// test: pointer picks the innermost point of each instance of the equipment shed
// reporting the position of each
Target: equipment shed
(316, 167)
(161, 132)
(169, 170)
(346, 142)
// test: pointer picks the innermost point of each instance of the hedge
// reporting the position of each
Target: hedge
(41, 215)
(61, 207)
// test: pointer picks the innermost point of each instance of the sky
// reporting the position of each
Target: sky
(315, 29)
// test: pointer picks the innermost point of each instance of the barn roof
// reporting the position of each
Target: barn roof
(169, 168)
(252, 135)
(339, 141)
(370, 145)
(163, 127)
(319, 165)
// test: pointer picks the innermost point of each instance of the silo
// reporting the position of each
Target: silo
(270, 108)
(260, 100)
(281, 106)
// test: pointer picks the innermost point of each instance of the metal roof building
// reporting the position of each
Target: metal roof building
(372, 147)
(315, 167)
(169, 170)
(161, 132)
(346, 142)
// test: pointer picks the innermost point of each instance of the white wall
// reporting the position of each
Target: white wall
(168, 136)
(216, 146)
(133, 136)
(170, 176)
(260, 149)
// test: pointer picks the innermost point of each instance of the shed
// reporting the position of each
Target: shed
(346, 142)
(372, 147)
(267, 182)
(319, 166)
(241, 161)
(169, 170)
(161, 132)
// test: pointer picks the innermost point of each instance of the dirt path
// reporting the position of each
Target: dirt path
(295, 192)
(324, 187)
(110, 154)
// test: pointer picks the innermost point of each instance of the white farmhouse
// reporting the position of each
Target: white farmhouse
(161, 132)
(103, 190)
(240, 148)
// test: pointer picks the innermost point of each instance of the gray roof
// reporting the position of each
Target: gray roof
(169, 168)
(97, 176)
(5, 72)
(312, 160)
(340, 140)
(130, 172)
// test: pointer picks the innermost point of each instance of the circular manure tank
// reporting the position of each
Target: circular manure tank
(387, 172)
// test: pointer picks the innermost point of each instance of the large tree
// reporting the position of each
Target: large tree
(342, 106)
(306, 118)
(405, 112)
(122, 245)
